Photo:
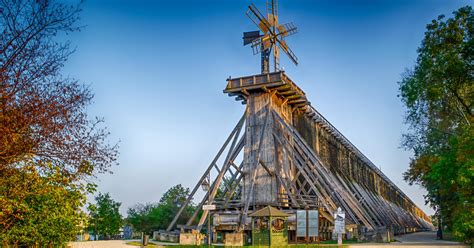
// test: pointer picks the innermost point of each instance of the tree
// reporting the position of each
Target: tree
(44, 129)
(105, 218)
(43, 114)
(140, 217)
(439, 93)
(39, 210)
(169, 205)
(157, 216)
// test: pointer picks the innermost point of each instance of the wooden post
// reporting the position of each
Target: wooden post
(209, 229)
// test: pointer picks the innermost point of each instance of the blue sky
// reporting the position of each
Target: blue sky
(158, 69)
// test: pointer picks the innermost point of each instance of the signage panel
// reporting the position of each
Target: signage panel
(301, 223)
(313, 222)
(208, 207)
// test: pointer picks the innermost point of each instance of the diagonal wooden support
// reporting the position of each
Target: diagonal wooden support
(228, 194)
(213, 191)
(311, 182)
(312, 165)
(236, 129)
(309, 178)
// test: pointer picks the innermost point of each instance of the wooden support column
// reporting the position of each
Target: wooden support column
(266, 187)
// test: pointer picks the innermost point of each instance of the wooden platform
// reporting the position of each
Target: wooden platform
(277, 82)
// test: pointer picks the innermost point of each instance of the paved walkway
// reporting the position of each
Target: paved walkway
(422, 237)
(412, 240)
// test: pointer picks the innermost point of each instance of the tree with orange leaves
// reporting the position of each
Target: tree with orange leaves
(45, 132)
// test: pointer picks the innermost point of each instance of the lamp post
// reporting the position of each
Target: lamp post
(206, 187)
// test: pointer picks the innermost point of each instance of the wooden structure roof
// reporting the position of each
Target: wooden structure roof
(269, 211)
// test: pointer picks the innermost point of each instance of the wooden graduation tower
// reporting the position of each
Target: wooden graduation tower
(284, 153)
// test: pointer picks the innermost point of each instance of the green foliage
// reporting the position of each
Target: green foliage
(141, 218)
(39, 207)
(169, 205)
(152, 217)
(225, 188)
(439, 95)
(105, 218)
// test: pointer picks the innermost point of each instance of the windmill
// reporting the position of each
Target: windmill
(273, 37)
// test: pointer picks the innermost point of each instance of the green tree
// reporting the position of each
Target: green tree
(439, 93)
(140, 217)
(157, 216)
(169, 205)
(105, 219)
(40, 209)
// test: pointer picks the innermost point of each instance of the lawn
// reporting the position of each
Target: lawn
(136, 243)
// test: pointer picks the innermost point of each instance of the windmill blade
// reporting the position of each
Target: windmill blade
(256, 48)
(273, 20)
(288, 51)
(254, 14)
(272, 8)
(272, 15)
(263, 43)
(263, 27)
(287, 29)
(282, 30)
(256, 43)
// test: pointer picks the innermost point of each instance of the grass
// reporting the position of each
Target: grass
(448, 236)
(327, 243)
(136, 243)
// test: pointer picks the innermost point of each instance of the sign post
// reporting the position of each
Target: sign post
(339, 224)
(209, 208)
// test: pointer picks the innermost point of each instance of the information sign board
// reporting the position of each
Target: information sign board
(301, 223)
(313, 221)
